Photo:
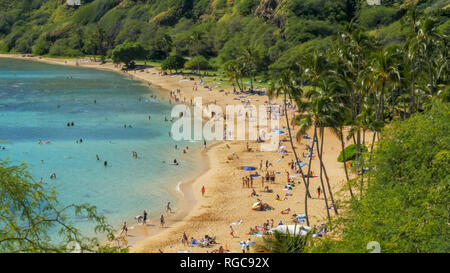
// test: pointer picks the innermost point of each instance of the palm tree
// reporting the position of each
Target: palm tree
(384, 70)
(279, 242)
(196, 41)
(249, 59)
(235, 71)
(428, 39)
(411, 20)
(288, 87)
(319, 114)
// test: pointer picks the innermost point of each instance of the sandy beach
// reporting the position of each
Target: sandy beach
(225, 200)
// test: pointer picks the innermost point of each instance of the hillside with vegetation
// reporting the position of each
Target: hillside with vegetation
(215, 32)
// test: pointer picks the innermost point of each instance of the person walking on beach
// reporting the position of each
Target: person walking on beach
(124, 229)
(161, 220)
(243, 246)
(203, 191)
(231, 232)
(168, 207)
(185, 239)
(145, 217)
(318, 192)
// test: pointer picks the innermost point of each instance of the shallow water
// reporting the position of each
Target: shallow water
(30, 93)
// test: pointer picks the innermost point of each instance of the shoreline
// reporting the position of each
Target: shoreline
(186, 201)
(225, 201)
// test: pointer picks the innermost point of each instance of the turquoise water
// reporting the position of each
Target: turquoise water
(30, 93)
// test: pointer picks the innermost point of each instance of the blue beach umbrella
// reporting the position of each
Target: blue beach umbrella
(249, 168)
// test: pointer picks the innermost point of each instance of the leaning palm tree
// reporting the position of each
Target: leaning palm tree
(318, 115)
(287, 87)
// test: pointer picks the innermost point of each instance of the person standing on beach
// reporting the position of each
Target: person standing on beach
(247, 244)
(145, 217)
(168, 207)
(203, 191)
(231, 232)
(124, 229)
(161, 220)
(318, 192)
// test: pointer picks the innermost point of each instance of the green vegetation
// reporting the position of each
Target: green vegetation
(128, 52)
(405, 206)
(277, 32)
(29, 210)
(173, 62)
(280, 242)
(350, 153)
(363, 85)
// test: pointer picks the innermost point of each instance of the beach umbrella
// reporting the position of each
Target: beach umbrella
(249, 168)
(297, 229)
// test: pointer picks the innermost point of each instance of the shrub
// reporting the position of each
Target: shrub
(199, 62)
(128, 52)
(350, 153)
(372, 17)
(41, 47)
(173, 62)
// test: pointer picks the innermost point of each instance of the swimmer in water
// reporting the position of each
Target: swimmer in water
(105, 163)
(175, 161)
(98, 158)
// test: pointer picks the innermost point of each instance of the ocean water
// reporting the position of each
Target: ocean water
(30, 93)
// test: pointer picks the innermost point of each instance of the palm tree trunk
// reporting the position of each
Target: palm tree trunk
(321, 181)
(430, 75)
(322, 166)
(310, 161)
(309, 170)
(295, 155)
(413, 78)
(345, 162)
